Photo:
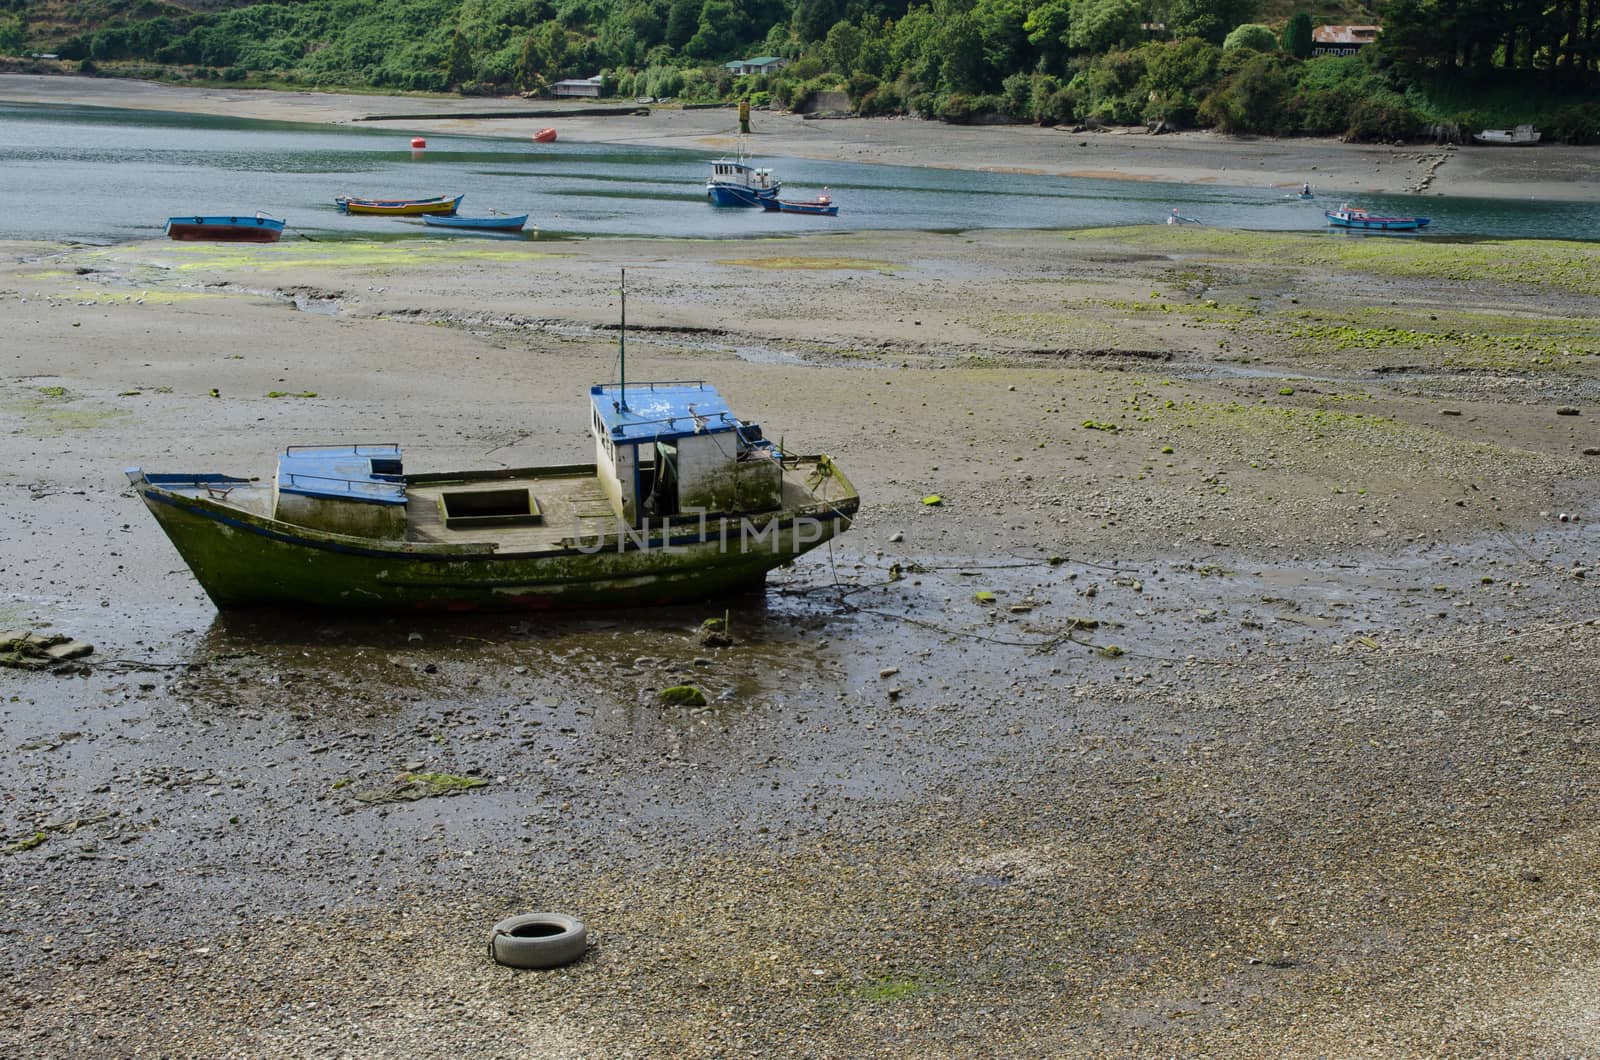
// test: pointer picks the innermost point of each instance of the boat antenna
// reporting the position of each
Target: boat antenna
(622, 348)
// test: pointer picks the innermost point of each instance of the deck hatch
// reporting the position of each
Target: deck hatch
(469, 509)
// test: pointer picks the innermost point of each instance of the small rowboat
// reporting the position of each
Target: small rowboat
(253, 229)
(1347, 216)
(822, 206)
(477, 224)
(545, 136)
(441, 204)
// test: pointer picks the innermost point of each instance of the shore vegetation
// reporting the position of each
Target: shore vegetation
(1435, 71)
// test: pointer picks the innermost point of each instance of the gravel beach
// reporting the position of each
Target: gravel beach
(1237, 699)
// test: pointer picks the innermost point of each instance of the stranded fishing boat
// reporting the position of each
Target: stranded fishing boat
(733, 182)
(1347, 216)
(1521, 136)
(684, 501)
(258, 228)
(440, 204)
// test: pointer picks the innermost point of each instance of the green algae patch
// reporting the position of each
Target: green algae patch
(1335, 442)
(820, 264)
(342, 254)
(291, 394)
(682, 696)
(1069, 327)
(409, 787)
(51, 411)
(1514, 262)
(26, 843)
(1470, 340)
(889, 988)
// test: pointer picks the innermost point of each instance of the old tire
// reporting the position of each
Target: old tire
(538, 940)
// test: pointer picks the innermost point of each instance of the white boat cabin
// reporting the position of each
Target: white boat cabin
(726, 172)
(675, 449)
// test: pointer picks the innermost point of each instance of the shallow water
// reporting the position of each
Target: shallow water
(100, 175)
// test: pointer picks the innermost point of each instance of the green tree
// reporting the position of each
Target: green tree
(1208, 19)
(1252, 35)
(1048, 27)
(722, 26)
(12, 36)
(458, 68)
(961, 69)
(842, 48)
(1297, 35)
(1101, 25)
(1250, 99)
(683, 18)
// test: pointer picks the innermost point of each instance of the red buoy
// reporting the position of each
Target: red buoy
(418, 142)
(544, 136)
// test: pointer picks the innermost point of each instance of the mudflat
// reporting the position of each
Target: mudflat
(1236, 697)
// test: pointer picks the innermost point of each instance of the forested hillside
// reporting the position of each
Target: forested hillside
(1439, 65)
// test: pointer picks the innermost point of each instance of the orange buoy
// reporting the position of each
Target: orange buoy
(544, 136)
(418, 142)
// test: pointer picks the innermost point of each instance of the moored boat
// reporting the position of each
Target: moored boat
(252, 228)
(734, 182)
(820, 206)
(477, 224)
(439, 204)
(1521, 136)
(683, 501)
(1347, 216)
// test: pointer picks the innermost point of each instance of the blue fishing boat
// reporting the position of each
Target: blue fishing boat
(477, 224)
(251, 228)
(1347, 216)
(821, 206)
(733, 182)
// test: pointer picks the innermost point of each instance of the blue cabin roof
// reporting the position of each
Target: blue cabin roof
(369, 473)
(661, 411)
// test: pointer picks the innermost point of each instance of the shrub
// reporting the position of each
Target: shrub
(1251, 35)
(1250, 99)
(1018, 96)
(1384, 116)
(1577, 124)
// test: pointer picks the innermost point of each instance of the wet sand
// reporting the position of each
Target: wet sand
(1278, 737)
(1550, 172)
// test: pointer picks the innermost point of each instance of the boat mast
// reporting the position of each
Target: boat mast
(622, 348)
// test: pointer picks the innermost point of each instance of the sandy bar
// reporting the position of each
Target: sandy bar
(1548, 173)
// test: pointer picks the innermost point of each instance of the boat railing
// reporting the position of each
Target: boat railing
(337, 484)
(370, 449)
(726, 417)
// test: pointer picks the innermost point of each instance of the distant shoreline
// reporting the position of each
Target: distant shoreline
(1545, 173)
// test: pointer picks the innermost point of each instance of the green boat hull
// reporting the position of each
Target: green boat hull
(245, 560)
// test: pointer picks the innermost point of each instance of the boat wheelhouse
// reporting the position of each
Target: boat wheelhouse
(734, 182)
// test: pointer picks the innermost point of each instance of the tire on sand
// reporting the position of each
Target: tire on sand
(538, 940)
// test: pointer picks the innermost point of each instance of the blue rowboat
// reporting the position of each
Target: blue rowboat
(249, 228)
(479, 224)
(1347, 216)
(821, 206)
(733, 182)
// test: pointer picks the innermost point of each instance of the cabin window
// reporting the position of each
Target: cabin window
(470, 509)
